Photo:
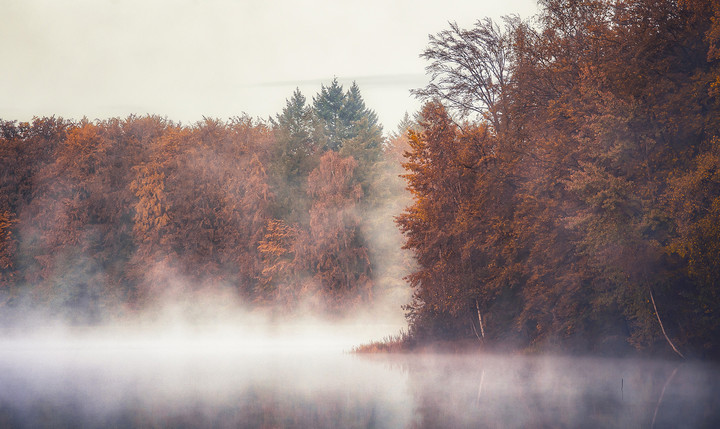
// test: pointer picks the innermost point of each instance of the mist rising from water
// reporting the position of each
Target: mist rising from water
(235, 380)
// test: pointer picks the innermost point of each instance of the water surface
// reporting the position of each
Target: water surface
(267, 383)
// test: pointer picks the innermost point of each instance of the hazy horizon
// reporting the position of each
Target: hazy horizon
(188, 59)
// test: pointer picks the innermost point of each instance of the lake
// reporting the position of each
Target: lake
(258, 381)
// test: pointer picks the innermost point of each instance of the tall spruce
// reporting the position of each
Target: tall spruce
(328, 106)
(343, 114)
(294, 156)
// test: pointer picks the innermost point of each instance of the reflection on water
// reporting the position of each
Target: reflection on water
(520, 392)
(201, 384)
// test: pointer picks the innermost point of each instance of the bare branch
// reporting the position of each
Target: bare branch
(470, 71)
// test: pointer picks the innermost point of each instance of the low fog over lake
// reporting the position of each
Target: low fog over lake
(227, 378)
(328, 214)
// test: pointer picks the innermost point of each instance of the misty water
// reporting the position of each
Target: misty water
(229, 379)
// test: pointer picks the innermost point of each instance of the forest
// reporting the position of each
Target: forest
(565, 180)
(559, 190)
(100, 219)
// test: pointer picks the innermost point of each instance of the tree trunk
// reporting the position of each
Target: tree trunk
(482, 328)
(652, 298)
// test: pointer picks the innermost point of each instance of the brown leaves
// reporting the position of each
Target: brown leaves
(600, 186)
(8, 243)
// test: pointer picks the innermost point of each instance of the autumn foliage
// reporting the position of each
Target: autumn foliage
(565, 180)
(104, 218)
(564, 176)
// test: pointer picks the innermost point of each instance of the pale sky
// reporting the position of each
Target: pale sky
(185, 59)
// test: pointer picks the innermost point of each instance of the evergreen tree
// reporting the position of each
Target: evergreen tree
(328, 106)
(296, 127)
(344, 114)
(295, 154)
(354, 111)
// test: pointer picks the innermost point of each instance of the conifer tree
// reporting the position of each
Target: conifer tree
(343, 114)
(354, 111)
(294, 155)
(328, 106)
(296, 129)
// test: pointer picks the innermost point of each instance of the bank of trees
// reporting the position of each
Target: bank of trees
(98, 218)
(565, 179)
(564, 174)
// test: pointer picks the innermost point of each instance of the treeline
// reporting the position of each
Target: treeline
(100, 218)
(566, 180)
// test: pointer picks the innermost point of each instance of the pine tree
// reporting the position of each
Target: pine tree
(294, 156)
(344, 114)
(296, 126)
(354, 111)
(328, 106)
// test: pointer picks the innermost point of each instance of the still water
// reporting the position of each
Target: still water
(215, 382)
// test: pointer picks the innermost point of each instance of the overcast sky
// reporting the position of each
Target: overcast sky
(186, 59)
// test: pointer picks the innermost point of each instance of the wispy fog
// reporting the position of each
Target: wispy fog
(299, 377)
